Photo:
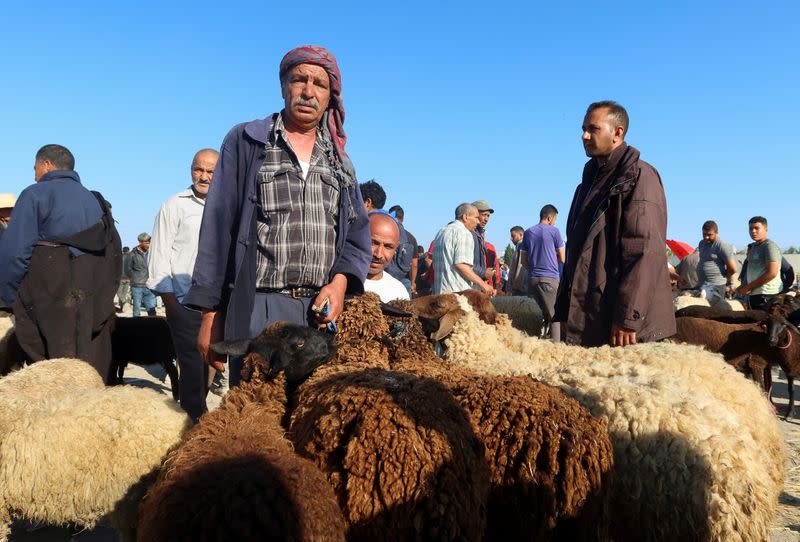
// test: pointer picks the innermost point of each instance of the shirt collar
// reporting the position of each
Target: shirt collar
(189, 193)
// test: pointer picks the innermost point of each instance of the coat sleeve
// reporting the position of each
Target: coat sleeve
(218, 228)
(357, 251)
(643, 260)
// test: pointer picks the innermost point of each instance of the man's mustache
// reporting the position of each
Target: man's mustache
(308, 103)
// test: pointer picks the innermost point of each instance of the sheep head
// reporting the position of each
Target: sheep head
(296, 350)
(779, 324)
(439, 313)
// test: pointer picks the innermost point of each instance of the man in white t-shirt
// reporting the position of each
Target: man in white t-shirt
(385, 237)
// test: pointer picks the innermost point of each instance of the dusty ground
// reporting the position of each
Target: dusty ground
(787, 524)
(786, 528)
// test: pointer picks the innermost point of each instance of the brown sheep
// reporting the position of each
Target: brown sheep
(547, 455)
(236, 477)
(398, 449)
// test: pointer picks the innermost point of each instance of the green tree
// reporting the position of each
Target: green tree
(792, 250)
(508, 255)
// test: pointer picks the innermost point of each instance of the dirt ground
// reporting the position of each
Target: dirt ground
(785, 529)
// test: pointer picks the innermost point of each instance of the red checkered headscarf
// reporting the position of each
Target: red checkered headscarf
(334, 116)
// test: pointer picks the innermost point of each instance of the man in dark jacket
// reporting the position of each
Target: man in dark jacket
(615, 288)
(60, 265)
(284, 229)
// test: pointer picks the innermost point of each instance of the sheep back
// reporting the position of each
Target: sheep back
(87, 455)
(524, 313)
(30, 388)
(399, 453)
(235, 477)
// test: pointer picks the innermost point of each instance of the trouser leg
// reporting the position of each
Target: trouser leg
(136, 299)
(544, 290)
(149, 301)
(184, 325)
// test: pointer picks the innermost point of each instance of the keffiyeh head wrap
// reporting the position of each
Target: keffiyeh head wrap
(333, 118)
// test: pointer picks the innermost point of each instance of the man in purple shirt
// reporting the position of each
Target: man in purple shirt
(541, 252)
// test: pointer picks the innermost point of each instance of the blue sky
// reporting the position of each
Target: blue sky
(446, 102)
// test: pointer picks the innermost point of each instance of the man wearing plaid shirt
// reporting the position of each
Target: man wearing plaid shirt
(284, 228)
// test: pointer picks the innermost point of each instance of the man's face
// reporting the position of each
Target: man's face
(709, 236)
(483, 218)
(600, 135)
(202, 170)
(758, 232)
(385, 238)
(306, 94)
(471, 219)
(516, 237)
(144, 246)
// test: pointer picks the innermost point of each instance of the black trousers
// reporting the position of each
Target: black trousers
(184, 325)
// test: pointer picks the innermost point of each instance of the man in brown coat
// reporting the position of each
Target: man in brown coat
(615, 288)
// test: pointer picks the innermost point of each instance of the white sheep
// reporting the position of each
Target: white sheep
(81, 457)
(683, 301)
(28, 389)
(678, 417)
(524, 312)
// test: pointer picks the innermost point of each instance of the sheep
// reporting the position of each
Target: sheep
(237, 463)
(11, 355)
(683, 301)
(87, 455)
(397, 449)
(29, 389)
(142, 340)
(546, 454)
(688, 490)
(750, 316)
(524, 312)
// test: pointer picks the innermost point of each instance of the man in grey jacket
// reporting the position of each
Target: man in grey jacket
(136, 270)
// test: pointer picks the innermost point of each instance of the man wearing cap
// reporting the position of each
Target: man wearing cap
(454, 253)
(60, 265)
(284, 229)
(485, 263)
(6, 206)
(136, 270)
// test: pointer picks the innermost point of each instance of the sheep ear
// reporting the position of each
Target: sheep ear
(446, 324)
(232, 348)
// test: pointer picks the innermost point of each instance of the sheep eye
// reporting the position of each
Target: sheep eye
(299, 345)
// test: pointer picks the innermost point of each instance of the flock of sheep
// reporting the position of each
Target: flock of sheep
(369, 435)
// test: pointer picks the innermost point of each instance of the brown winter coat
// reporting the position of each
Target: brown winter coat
(616, 268)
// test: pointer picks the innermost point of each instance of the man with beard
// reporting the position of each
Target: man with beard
(173, 250)
(284, 233)
(615, 288)
(385, 236)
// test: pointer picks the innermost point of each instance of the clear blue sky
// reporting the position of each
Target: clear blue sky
(446, 102)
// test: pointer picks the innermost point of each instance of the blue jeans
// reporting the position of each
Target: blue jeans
(143, 297)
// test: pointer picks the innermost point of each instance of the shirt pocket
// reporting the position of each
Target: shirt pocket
(274, 194)
(330, 194)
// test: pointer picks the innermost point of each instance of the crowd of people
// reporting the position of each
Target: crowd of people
(275, 226)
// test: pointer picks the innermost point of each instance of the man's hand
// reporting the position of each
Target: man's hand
(171, 305)
(212, 330)
(621, 336)
(334, 291)
(744, 289)
(488, 290)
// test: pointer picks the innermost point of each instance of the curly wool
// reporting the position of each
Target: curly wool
(547, 455)
(236, 477)
(398, 451)
(698, 437)
(88, 455)
(36, 386)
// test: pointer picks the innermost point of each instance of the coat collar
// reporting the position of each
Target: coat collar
(60, 174)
